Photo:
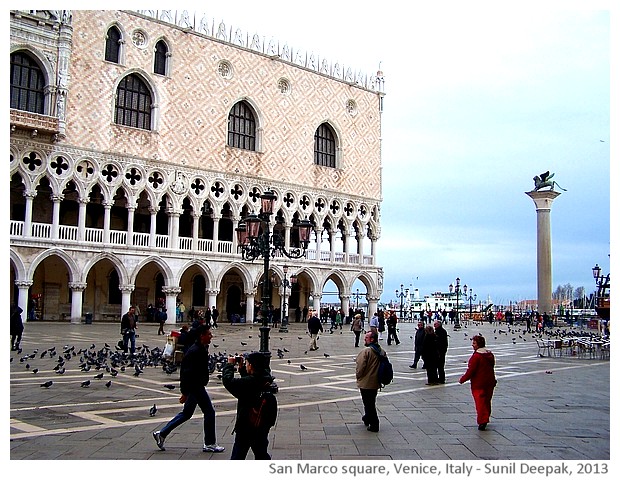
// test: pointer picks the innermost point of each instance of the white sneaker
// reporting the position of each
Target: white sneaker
(159, 440)
(215, 448)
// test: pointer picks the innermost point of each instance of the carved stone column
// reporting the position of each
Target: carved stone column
(249, 307)
(29, 196)
(22, 296)
(171, 302)
(344, 304)
(373, 302)
(77, 289)
(125, 297)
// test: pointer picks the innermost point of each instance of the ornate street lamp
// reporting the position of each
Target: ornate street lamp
(265, 245)
(457, 290)
(601, 299)
(357, 299)
(471, 297)
(401, 294)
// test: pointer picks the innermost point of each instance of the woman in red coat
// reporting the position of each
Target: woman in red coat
(481, 373)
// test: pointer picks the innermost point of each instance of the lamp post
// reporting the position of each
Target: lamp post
(471, 297)
(401, 294)
(285, 284)
(357, 299)
(601, 300)
(254, 244)
(457, 290)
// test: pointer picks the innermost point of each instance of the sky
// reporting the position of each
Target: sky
(481, 96)
(479, 99)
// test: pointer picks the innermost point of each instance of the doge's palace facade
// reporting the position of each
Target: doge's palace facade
(141, 139)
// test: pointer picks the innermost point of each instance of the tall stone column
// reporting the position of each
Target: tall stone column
(543, 200)
(171, 302)
(77, 290)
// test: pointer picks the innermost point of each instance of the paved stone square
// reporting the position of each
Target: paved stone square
(544, 408)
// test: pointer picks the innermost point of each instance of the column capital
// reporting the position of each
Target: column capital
(126, 288)
(168, 290)
(78, 286)
(23, 283)
(212, 291)
(543, 198)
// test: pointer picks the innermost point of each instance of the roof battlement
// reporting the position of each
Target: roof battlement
(203, 25)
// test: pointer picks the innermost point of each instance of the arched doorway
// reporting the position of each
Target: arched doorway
(233, 302)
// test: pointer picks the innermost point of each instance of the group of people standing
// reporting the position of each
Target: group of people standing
(431, 345)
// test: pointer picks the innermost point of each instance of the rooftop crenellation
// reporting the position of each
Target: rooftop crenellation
(203, 25)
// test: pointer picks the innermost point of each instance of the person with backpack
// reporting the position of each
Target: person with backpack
(367, 376)
(256, 404)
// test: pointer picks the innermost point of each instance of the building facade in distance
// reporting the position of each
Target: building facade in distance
(141, 139)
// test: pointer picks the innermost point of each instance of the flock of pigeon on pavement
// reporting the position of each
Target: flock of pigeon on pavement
(108, 362)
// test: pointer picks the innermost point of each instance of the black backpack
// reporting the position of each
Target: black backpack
(265, 411)
(385, 371)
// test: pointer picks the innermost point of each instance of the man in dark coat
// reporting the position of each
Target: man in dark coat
(442, 349)
(391, 322)
(417, 344)
(17, 326)
(430, 355)
(129, 323)
(254, 379)
(194, 378)
(214, 315)
(314, 327)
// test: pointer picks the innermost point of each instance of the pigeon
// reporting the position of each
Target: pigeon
(169, 386)
(243, 343)
(35, 370)
(85, 383)
(108, 383)
(99, 376)
(47, 384)
(153, 410)
(288, 361)
(302, 366)
(325, 355)
(60, 372)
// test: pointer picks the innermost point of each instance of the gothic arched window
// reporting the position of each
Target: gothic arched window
(133, 103)
(27, 84)
(325, 146)
(242, 127)
(113, 45)
(161, 58)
